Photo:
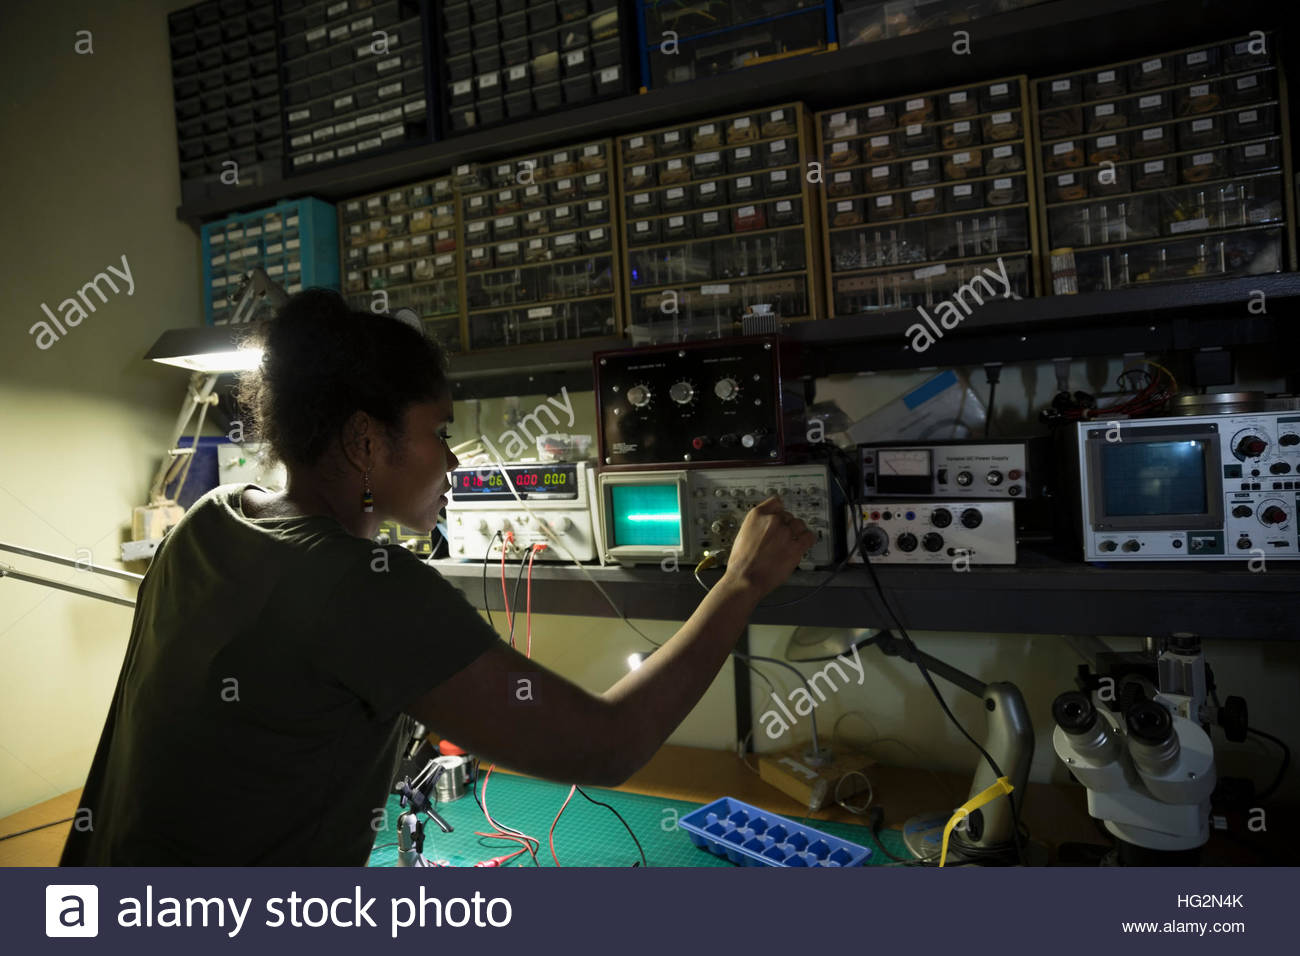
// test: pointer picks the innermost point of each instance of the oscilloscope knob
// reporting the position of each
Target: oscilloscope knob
(874, 540)
(1252, 446)
(941, 517)
(932, 541)
(638, 396)
(1273, 514)
(726, 389)
(971, 518)
(681, 392)
(907, 542)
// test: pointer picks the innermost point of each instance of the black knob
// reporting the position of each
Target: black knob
(1272, 515)
(932, 542)
(1289, 439)
(1279, 468)
(874, 540)
(1132, 545)
(1241, 511)
(994, 478)
(1013, 491)
(971, 518)
(1233, 718)
(907, 542)
(1074, 713)
(964, 478)
(1243, 544)
(941, 517)
(1251, 447)
(1108, 545)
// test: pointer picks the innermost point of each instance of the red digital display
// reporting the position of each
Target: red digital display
(487, 483)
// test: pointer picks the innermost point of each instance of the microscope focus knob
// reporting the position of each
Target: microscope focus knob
(1233, 718)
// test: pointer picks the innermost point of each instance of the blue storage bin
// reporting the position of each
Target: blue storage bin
(752, 837)
(305, 230)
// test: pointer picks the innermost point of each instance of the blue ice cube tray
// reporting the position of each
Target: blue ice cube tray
(752, 837)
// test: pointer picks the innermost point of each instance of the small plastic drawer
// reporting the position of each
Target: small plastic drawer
(1110, 148)
(643, 231)
(884, 207)
(1203, 167)
(1005, 190)
(918, 109)
(1003, 125)
(1201, 132)
(882, 178)
(1103, 117)
(959, 103)
(1248, 54)
(1151, 73)
(1248, 89)
(780, 152)
(1194, 99)
(1058, 124)
(918, 138)
(924, 202)
(1198, 64)
(710, 193)
(780, 182)
(1252, 123)
(959, 134)
(1068, 154)
(1064, 91)
(1154, 141)
(963, 197)
(1105, 84)
(1067, 187)
(1005, 158)
(922, 172)
(675, 199)
(1255, 157)
(1155, 174)
(844, 182)
(964, 164)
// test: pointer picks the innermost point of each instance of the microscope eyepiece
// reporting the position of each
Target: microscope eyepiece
(1149, 723)
(1074, 713)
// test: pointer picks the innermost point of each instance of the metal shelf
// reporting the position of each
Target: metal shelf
(1211, 313)
(1042, 595)
(1037, 40)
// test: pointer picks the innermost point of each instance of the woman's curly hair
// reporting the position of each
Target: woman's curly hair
(322, 362)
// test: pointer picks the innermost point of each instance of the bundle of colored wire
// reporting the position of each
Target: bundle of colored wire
(1152, 396)
(529, 843)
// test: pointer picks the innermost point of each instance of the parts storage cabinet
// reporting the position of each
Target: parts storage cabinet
(400, 250)
(927, 194)
(1167, 168)
(720, 224)
(296, 242)
(540, 251)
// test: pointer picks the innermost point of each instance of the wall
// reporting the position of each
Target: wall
(90, 171)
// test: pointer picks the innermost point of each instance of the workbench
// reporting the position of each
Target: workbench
(675, 775)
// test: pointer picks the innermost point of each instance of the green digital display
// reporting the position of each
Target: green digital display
(646, 516)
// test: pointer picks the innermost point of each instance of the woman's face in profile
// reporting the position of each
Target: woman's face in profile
(411, 486)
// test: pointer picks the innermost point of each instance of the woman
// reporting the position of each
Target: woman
(258, 714)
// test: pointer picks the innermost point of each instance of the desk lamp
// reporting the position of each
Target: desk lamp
(1009, 741)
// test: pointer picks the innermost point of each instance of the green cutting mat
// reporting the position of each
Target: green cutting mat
(587, 835)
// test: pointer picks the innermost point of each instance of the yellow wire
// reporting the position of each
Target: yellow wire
(998, 788)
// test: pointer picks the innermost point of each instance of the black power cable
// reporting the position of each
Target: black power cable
(1286, 762)
(997, 771)
(486, 555)
(620, 820)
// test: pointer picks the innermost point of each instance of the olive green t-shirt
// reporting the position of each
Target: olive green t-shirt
(258, 717)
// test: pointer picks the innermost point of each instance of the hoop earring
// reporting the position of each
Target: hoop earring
(367, 497)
